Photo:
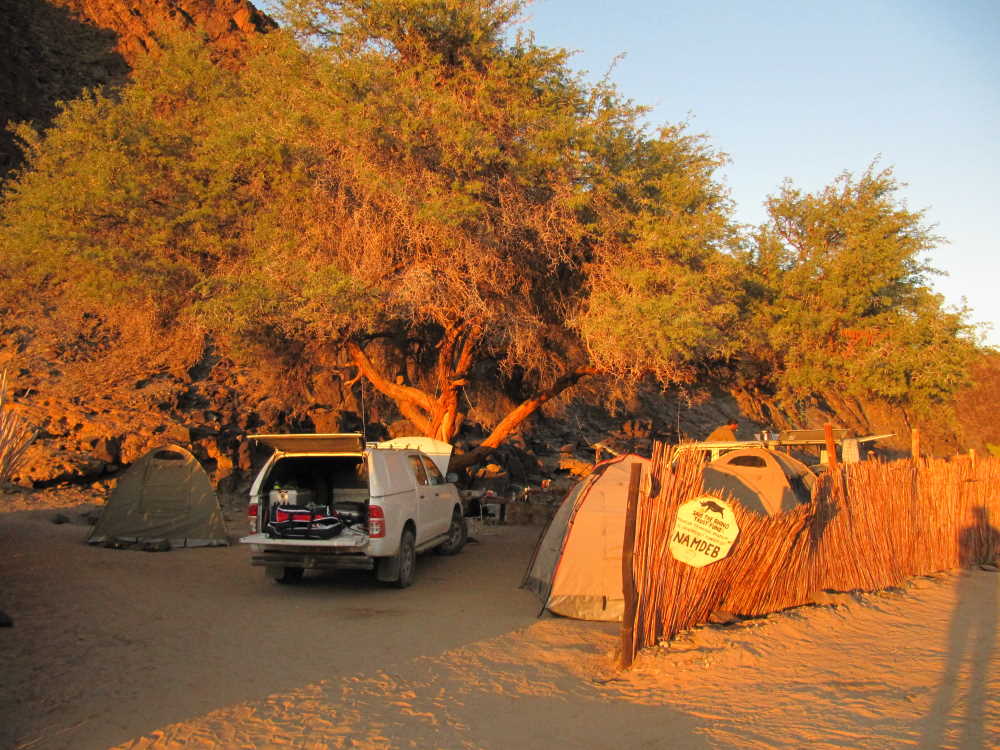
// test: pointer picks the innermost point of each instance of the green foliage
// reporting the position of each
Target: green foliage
(127, 198)
(841, 303)
(664, 291)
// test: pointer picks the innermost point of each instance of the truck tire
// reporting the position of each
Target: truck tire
(407, 559)
(458, 533)
(286, 575)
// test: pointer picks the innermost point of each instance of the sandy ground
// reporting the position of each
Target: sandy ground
(195, 649)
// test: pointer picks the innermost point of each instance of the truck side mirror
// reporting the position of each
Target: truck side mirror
(451, 477)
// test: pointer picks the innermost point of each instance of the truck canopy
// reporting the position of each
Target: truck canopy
(346, 442)
(437, 451)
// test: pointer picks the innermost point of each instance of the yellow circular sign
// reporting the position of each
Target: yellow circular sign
(703, 532)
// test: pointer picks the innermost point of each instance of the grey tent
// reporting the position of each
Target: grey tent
(577, 565)
(764, 481)
(165, 496)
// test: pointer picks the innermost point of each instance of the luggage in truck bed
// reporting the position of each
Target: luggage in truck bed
(304, 522)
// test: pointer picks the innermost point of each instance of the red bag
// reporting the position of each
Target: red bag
(299, 522)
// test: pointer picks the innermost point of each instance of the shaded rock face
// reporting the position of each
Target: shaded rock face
(47, 55)
(96, 417)
(53, 50)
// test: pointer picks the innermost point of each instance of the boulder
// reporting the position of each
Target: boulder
(171, 432)
(637, 429)
(325, 419)
(107, 449)
(45, 465)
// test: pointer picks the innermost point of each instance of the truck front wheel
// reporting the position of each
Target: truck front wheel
(407, 559)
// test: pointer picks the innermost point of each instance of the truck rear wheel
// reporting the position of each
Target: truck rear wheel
(286, 574)
(407, 559)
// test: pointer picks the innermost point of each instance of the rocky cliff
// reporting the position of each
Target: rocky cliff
(52, 50)
(137, 24)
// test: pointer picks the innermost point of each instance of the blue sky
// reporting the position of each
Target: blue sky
(807, 90)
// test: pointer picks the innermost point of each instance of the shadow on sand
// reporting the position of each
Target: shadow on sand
(962, 698)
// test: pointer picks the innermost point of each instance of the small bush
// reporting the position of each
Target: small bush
(16, 434)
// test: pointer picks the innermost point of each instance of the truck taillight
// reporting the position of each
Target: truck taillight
(252, 517)
(376, 522)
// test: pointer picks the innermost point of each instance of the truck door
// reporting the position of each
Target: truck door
(426, 515)
(445, 495)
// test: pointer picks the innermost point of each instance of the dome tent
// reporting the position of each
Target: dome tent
(577, 566)
(164, 497)
(764, 481)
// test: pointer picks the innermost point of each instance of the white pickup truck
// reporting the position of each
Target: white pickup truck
(332, 501)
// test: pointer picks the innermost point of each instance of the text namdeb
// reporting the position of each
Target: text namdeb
(704, 531)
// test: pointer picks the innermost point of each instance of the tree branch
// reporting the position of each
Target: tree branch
(401, 394)
(465, 357)
(446, 353)
(517, 416)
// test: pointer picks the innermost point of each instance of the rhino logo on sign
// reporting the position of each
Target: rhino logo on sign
(713, 507)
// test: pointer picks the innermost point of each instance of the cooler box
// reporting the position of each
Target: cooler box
(290, 496)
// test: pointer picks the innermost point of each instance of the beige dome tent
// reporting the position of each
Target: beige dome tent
(577, 565)
(764, 481)
(164, 497)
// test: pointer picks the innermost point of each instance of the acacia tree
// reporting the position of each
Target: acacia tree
(840, 303)
(404, 192)
(508, 213)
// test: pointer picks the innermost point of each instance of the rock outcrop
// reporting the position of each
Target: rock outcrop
(51, 50)
(138, 24)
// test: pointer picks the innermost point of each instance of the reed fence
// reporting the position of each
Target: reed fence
(868, 526)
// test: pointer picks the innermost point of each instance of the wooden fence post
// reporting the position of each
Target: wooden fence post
(831, 447)
(915, 443)
(628, 577)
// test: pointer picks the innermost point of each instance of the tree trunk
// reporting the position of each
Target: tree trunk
(438, 416)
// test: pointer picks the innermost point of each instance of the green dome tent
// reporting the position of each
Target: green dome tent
(764, 481)
(164, 497)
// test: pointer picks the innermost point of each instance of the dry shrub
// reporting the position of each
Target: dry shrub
(868, 526)
(16, 435)
(975, 405)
